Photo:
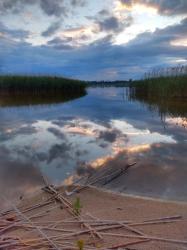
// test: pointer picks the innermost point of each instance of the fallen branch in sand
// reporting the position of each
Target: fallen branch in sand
(153, 222)
(94, 179)
(147, 238)
(129, 244)
(118, 173)
(165, 218)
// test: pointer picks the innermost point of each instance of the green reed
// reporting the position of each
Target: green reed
(39, 85)
(166, 95)
(169, 87)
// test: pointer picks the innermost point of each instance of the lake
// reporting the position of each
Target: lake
(103, 127)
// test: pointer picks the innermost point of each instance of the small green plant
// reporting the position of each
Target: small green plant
(77, 206)
(80, 244)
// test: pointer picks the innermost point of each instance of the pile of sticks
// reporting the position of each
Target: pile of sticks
(103, 176)
(53, 224)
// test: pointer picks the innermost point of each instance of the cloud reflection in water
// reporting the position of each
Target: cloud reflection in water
(95, 131)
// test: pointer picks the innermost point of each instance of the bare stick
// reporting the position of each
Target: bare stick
(153, 223)
(43, 213)
(165, 218)
(147, 238)
(98, 178)
(129, 244)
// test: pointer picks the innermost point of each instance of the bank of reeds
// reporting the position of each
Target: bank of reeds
(40, 85)
(169, 87)
(164, 91)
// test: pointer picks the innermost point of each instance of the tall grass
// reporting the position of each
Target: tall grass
(166, 94)
(169, 87)
(39, 85)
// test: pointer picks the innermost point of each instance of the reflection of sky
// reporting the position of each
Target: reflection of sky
(57, 139)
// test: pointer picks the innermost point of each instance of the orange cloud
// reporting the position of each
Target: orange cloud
(137, 6)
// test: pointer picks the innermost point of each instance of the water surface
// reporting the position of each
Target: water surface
(104, 127)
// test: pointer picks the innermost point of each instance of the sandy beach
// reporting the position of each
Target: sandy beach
(121, 222)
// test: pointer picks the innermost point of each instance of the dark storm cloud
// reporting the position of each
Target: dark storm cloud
(12, 33)
(59, 151)
(81, 152)
(28, 130)
(78, 2)
(109, 135)
(52, 29)
(104, 12)
(58, 41)
(100, 15)
(49, 7)
(63, 120)
(61, 43)
(57, 133)
(110, 24)
(165, 7)
(53, 7)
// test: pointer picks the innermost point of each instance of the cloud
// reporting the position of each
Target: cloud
(159, 176)
(57, 133)
(99, 60)
(59, 151)
(13, 33)
(50, 8)
(52, 29)
(71, 38)
(78, 3)
(165, 7)
(104, 12)
(112, 24)
(53, 7)
(17, 177)
(61, 43)
(10, 135)
(109, 135)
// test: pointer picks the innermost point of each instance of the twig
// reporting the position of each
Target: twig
(129, 244)
(98, 178)
(153, 222)
(147, 238)
(165, 218)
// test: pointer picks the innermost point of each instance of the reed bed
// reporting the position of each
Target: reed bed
(40, 85)
(170, 87)
(164, 91)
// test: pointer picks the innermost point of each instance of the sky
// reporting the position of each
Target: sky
(92, 39)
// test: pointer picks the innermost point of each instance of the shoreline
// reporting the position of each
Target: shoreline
(143, 197)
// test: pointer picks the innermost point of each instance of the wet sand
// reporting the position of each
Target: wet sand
(106, 205)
